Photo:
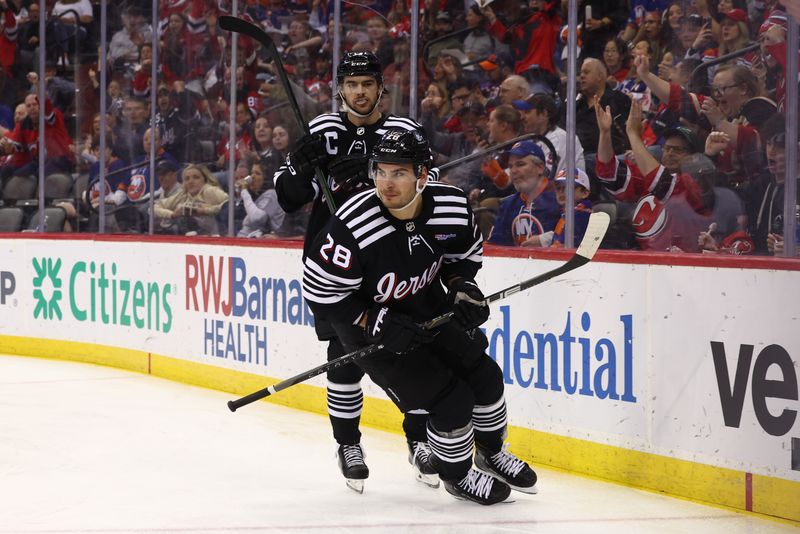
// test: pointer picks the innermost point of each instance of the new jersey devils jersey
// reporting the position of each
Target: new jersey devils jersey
(365, 256)
(342, 138)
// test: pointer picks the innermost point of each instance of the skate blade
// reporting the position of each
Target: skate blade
(355, 484)
(508, 500)
(432, 481)
(530, 491)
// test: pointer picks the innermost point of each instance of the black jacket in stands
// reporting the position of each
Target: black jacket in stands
(365, 256)
(342, 138)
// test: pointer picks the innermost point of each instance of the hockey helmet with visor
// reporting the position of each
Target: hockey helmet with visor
(399, 147)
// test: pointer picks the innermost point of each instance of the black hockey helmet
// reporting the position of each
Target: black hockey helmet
(359, 64)
(403, 146)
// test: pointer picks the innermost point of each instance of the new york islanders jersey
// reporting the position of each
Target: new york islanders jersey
(366, 257)
(342, 138)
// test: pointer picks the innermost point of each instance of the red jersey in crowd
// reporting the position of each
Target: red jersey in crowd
(57, 140)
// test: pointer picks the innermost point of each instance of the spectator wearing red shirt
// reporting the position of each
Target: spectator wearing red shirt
(25, 139)
(8, 38)
(533, 42)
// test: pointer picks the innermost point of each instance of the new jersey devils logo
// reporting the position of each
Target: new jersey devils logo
(649, 217)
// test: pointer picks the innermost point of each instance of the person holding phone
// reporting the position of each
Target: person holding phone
(602, 20)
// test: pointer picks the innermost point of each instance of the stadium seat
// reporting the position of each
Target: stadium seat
(20, 188)
(54, 218)
(57, 186)
(11, 219)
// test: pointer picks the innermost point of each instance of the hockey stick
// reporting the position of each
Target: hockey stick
(511, 142)
(235, 24)
(595, 231)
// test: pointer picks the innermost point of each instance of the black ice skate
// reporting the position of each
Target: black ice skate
(351, 462)
(419, 456)
(507, 467)
(478, 487)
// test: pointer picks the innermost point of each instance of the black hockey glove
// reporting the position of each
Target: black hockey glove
(397, 332)
(466, 298)
(349, 172)
(306, 154)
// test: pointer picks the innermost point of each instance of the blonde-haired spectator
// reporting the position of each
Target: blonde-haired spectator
(195, 207)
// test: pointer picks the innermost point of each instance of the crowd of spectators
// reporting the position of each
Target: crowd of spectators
(684, 150)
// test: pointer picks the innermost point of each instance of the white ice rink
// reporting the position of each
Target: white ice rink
(90, 449)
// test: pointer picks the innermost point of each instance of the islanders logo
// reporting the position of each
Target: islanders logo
(524, 226)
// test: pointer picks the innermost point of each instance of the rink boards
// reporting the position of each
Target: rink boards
(675, 378)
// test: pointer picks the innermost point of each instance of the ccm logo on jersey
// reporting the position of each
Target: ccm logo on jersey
(390, 288)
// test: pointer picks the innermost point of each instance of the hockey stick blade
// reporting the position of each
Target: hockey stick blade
(235, 24)
(595, 231)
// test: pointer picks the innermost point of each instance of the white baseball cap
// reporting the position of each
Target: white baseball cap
(581, 178)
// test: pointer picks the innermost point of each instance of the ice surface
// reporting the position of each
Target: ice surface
(90, 449)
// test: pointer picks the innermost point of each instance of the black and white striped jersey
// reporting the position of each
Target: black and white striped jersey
(342, 138)
(364, 256)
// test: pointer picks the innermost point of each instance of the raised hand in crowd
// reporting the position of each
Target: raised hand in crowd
(604, 119)
(705, 38)
(665, 68)
(488, 12)
(706, 239)
(642, 64)
(657, 86)
(716, 143)
(775, 244)
(634, 126)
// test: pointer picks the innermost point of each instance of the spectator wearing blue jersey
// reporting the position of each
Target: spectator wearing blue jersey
(533, 210)
(583, 209)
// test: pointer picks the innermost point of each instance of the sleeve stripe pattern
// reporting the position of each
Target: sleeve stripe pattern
(324, 288)
(327, 126)
(374, 237)
(475, 253)
(328, 120)
(352, 204)
(662, 186)
(364, 220)
(370, 213)
(371, 225)
(451, 198)
(620, 181)
(401, 122)
(448, 220)
(448, 209)
(340, 280)
(453, 205)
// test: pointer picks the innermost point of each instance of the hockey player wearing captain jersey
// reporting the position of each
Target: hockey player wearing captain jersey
(392, 258)
(339, 144)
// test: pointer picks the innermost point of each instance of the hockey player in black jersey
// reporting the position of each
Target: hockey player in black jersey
(396, 256)
(339, 144)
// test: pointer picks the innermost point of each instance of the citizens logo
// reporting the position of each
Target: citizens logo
(47, 280)
(98, 292)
